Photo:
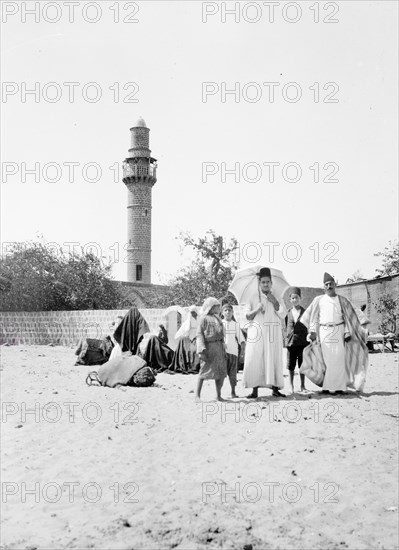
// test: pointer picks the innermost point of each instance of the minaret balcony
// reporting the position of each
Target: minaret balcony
(137, 171)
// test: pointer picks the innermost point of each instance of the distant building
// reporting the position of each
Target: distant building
(367, 292)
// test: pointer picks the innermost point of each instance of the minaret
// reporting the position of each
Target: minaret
(139, 175)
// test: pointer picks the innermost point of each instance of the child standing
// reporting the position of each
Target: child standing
(210, 347)
(296, 334)
(233, 338)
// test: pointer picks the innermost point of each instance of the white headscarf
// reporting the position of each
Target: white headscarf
(208, 305)
(189, 327)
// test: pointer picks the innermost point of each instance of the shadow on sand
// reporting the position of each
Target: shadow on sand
(317, 395)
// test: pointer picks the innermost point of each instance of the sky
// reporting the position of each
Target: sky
(334, 109)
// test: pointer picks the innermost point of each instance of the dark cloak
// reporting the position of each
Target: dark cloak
(92, 351)
(183, 360)
(157, 355)
(131, 330)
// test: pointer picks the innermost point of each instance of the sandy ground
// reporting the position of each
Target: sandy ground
(147, 468)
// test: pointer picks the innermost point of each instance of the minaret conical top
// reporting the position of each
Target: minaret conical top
(139, 123)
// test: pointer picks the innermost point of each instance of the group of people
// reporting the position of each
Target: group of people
(209, 343)
(329, 322)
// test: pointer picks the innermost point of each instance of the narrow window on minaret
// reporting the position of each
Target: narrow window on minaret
(139, 272)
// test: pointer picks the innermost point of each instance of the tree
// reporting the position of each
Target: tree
(211, 248)
(210, 273)
(388, 307)
(33, 277)
(356, 276)
(89, 283)
(390, 259)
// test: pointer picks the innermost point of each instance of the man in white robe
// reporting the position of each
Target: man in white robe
(332, 320)
(263, 364)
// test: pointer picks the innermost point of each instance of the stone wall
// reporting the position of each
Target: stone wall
(66, 328)
(63, 328)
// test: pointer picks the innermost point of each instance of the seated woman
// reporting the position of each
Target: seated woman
(131, 330)
(133, 335)
(155, 351)
(186, 359)
(97, 351)
(93, 351)
(163, 334)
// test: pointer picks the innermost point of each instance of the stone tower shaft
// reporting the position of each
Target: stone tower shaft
(139, 175)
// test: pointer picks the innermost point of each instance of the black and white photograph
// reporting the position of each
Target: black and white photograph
(199, 275)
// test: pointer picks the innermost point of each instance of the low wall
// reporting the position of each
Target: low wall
(64, 328)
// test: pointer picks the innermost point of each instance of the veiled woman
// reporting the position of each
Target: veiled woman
(186, 359)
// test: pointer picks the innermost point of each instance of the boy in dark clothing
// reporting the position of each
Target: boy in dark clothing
(296, 334)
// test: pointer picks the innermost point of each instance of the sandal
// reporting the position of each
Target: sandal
(92, 379)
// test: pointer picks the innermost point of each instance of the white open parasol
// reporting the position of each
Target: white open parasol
(245, 283)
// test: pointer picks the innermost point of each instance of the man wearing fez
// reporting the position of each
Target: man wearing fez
(263, 364)
(332, 320)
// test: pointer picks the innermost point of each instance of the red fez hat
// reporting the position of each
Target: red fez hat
(328, 277)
